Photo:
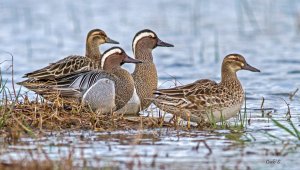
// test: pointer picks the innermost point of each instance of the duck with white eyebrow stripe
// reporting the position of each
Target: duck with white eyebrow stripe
(145, 74)
(109, 53)
(140, 36)
(103, 90)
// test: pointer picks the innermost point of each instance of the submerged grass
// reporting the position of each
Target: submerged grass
(39, 159)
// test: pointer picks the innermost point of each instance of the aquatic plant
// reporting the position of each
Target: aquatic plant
(292, 130)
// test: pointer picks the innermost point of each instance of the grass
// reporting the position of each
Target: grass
(20, 114)
(239, 124)
(54, 116)
(292, 130)
(36, 160)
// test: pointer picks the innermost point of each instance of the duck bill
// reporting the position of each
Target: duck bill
(250, 68)
(163, 44)
(111, 41)
(131, 60)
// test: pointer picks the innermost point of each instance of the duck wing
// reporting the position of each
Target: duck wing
(192, 96)
(62, 67)
(76, 84)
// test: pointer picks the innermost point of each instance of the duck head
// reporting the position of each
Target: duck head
(98, 37)
(236, 62)
(116, 57)
(148, 39)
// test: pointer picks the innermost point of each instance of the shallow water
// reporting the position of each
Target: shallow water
(203, 32)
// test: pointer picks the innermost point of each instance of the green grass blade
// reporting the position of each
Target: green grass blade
(272, 136)
(297, 132)
(3, 85)
(283, 127)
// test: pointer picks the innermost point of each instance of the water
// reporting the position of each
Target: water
(203, 32)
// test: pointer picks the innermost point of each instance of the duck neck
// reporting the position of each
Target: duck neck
(143, 52)
(229, 77)
(145, 75)
(232, 86)
(93, 52)
(124, 86)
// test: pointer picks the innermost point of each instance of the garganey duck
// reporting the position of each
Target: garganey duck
(145, 74)
(72, 63)
(205, 100)
(104, 90)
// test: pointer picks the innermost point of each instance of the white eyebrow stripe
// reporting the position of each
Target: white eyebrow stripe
(140, 36)
(107, 54)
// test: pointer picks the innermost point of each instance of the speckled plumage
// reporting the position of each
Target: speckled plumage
(145, 76)
(199, 100)
(124, 87)
(72, 63)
